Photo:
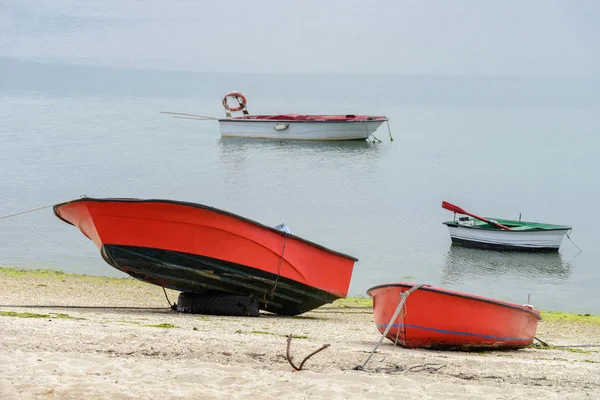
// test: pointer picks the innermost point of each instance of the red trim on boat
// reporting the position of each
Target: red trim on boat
(450, 292)
(307, 118)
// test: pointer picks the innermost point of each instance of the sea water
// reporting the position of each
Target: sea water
(498, 146)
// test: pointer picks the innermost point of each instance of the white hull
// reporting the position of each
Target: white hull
(539, 239)
(298, 130)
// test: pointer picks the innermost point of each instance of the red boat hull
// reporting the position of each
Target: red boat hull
(196, 248)
(440, 318)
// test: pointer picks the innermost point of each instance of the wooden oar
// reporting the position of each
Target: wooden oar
(457, 209)
(189, 115)
(195, 118)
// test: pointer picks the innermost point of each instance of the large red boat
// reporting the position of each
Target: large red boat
(439, 318)
(195, 248)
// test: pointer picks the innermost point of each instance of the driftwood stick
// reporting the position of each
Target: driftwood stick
(287, 354)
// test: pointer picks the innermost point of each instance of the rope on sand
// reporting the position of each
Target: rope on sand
(541, 341)
(427, 367)
(174, 305)
(403, 297)
(563, 346)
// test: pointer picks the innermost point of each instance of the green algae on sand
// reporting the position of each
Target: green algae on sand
(555, 316)
(13, 272)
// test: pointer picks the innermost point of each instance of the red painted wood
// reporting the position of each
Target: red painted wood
(457, 209)
(201, 231)
(314, 118)
(435, 317)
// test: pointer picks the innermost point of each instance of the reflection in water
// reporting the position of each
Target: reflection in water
(463, 264)
(278, 161)
(336, 147)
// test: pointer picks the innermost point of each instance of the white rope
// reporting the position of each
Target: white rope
(35, 209)
(375, 139)
(390, 131)
(569, 237)
(25, 212)
(285, 236)
(403, 297)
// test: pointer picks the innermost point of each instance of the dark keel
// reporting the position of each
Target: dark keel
(198, 274)
(491, 246)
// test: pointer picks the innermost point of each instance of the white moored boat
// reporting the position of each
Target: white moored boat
(295, 126)
(503, 234)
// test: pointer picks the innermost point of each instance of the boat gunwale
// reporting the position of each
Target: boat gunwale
(537, 228)
(201, 206)
(244, 119)
(457, 294)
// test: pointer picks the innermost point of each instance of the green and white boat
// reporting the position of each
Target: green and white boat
(503, 234)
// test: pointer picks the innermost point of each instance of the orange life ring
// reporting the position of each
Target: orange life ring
(239, 97)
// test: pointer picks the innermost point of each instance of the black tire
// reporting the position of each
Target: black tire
(218, 303)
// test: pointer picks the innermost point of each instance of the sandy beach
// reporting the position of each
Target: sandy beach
(78, 337)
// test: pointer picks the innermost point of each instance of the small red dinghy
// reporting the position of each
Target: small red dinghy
(439, 318)
(195, 248)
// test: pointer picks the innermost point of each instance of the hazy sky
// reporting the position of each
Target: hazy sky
(537, 37)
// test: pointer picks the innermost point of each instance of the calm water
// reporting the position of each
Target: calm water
(378, 202)
(497, 146)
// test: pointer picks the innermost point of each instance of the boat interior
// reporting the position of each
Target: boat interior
(513, 225)
(302, 117)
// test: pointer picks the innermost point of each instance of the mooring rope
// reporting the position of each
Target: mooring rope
(272, 291)
(375, 138)
(561, 346)
(172, 306)
(25, 212)
(403, 297)
(37, 209)
(569, 237)
(390, 131)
